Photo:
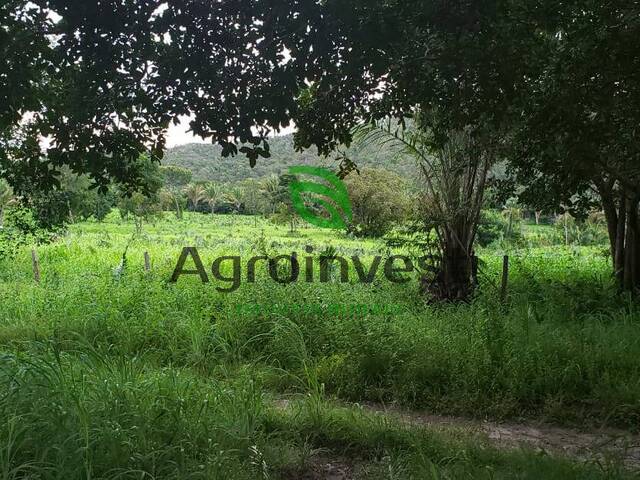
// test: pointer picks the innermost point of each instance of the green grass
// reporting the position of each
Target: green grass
(110, 375)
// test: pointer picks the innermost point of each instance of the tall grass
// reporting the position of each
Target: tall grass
(129, 376)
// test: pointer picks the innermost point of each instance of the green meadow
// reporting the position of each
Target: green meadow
(109, 371)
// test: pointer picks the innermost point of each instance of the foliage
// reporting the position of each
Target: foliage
(253, 198)
(175, 180)
(73, 200)
(379, 199)
(175, 177)
(207, 163)
(6, 199)
(569, 231)
(117, 75)
(143, 206)
(572, 142)
(454, 178)
(495, 228)
(20, 227)
(196, 195)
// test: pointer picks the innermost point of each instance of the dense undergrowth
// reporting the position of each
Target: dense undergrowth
(111, 372)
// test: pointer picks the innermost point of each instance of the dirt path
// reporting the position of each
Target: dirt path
(595, 446)
(601, 445)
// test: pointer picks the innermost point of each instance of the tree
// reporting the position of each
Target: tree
(143, 204)
(455, 178)
(214, 194)
(270, 186)
(118, 73)
(581, 109)
(175, 179)
(234, 195)
(253, 199)
(556, 79)
(195, 194)
(284, 211)
(443, 77)
(513, 213)
(143, 208)
(379, 200)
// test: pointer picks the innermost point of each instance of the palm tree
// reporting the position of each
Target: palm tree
(270, 187)
(214, 195)
(6, 198)
(454, 175)
(195, 193)
(235, 196)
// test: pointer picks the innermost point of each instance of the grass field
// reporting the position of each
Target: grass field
(111, 372)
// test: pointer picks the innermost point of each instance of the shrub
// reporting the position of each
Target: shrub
(590, 232)
(494, 228)
(379, 199)
(20, 227)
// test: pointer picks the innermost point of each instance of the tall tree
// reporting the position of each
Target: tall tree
(270, 186)
(175, 180)
(379, 200)
(582, 112)
(102, 81)
(234, 194)
(455, 177)
(143, 203)
(457, 64)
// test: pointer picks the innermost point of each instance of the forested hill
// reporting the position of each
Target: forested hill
(207, 163)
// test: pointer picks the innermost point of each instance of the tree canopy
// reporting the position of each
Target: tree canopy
(92, 85)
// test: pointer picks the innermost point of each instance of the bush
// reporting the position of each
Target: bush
(20, 227)
(590, 232)
(494, 228)
(379, 199)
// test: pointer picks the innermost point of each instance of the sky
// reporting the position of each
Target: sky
(180, 135)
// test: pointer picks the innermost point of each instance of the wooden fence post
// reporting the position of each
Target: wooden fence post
(147, 262)
(36, 265)
(505, 278)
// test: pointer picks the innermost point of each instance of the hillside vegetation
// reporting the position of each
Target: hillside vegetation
(207, 164)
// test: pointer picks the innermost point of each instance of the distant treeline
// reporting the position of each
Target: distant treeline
(207, 164)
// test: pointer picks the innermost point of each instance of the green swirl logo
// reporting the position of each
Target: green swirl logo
(307, 196)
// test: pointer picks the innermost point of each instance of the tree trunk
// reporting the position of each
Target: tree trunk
(457, 281)
(623, 226)
(455, 278)
(71, 219)
(631, 280)
(538, 215)
(611, 215)
(619, 240)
